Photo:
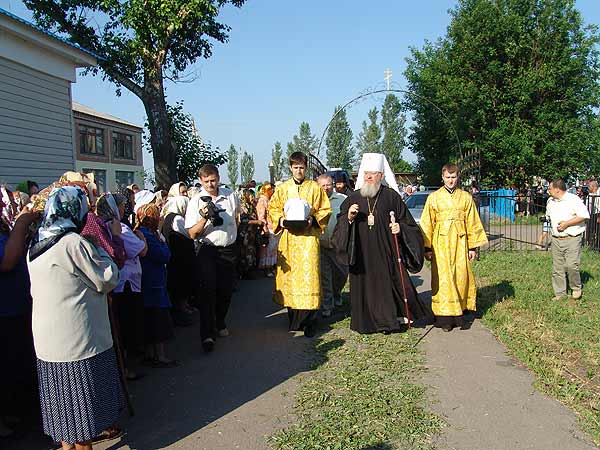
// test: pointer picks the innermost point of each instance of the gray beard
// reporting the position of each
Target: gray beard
(369, 190)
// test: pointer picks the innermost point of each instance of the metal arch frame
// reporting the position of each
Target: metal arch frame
(380, 91)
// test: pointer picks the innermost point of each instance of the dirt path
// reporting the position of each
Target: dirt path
(230, 399)
(487, 398)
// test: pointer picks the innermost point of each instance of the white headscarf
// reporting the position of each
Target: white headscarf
(143, 197)
(376, 162)
(176, 205)
(174, 190)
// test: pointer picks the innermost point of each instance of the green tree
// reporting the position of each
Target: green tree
(140, 44)
(289, 149)
(519, 81)
(191, 152)
(279, 161)
(394, 133)
(247, 167)
(232, 165)
(304, 141)
(340, 152)
(369, 139)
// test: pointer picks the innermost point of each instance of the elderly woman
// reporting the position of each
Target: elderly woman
(247, 232)
(128, 304)
(178, 189)
(180, 269)
(267, 254)
(77, 367)
(157, 319)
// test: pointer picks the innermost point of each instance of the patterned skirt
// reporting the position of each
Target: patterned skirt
(80, 399)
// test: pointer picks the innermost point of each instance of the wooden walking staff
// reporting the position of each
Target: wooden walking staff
(393, 220)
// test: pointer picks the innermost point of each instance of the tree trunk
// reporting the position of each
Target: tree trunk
(163, 149)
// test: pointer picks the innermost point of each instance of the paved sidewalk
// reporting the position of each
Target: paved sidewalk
(230, 399)
(487, 398)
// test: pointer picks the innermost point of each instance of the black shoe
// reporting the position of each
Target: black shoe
(447, 328)
(310, 331)
(208, 345)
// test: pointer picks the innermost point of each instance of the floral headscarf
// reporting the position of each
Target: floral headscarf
(127, 193)
(148, 216)
(106, 207)
(9, 210)
(65, 210)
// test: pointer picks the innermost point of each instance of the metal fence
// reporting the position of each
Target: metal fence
(516, 222)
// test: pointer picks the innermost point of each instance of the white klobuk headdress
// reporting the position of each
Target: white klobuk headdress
(376, 162)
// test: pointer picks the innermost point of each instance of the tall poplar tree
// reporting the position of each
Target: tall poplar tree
(279, 161)
(394, 133)
(340, 152)
(232, 165)
(247, 167)
(369, 139)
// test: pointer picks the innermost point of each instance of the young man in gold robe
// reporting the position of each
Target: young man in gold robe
(297, 280)
(452, 231)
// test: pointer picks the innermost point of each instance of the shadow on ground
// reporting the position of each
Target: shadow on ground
(260, 354)
(488, 296)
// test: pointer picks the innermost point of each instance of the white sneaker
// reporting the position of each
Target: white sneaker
(223, 333)
(576, 294)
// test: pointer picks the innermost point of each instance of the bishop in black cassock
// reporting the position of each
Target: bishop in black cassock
(366, 245)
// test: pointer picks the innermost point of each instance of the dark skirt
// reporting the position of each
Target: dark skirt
(80, 399)
(129, 312)
(157, 324)
(302, 318)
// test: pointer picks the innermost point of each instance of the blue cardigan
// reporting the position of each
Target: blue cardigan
(154, 271)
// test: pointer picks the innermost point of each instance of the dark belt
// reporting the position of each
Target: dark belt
(562, 238)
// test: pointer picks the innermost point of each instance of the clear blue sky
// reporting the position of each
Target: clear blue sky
(288, 62)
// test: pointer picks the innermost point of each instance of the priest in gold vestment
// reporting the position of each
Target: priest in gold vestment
(452, 231)
(297, 279)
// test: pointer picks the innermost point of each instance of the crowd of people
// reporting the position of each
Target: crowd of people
(94, 284)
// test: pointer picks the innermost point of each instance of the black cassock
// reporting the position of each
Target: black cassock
(375, 284)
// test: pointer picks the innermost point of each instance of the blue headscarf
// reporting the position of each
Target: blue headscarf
(65, 211)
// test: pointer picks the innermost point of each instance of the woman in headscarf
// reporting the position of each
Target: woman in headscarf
(267, 254)
(17, 378)
(104, 227)
(128, 303)
(77, 368)
(247, 232)
(180, 270)
(157, 320)
(128, 216)
(28, 187)
(178, 189)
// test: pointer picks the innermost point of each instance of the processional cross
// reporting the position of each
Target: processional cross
(388, 76)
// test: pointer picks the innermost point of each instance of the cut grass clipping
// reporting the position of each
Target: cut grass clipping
(362, 394)
(558, 340)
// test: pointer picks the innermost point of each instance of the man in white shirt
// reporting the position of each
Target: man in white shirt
(333, 274)
(567, 215)
(214, 234)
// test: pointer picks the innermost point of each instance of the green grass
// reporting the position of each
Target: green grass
(363, 394)
(519, 220)
(558, 340)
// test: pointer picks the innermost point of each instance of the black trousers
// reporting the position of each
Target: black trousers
(216, 270)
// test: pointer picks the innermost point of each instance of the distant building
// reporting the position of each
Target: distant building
(36, 122)
(109, 147)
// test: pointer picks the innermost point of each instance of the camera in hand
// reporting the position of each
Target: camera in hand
(212, 213)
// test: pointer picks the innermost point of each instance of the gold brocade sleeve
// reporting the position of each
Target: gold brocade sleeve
(427, 222)
(276, 207)
(476, 236)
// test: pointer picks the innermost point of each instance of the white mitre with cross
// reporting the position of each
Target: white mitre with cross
(376, 162)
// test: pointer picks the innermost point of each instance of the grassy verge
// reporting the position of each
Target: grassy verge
(363, 394)
(558, 341)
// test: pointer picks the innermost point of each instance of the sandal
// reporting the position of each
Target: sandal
(108, 434)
